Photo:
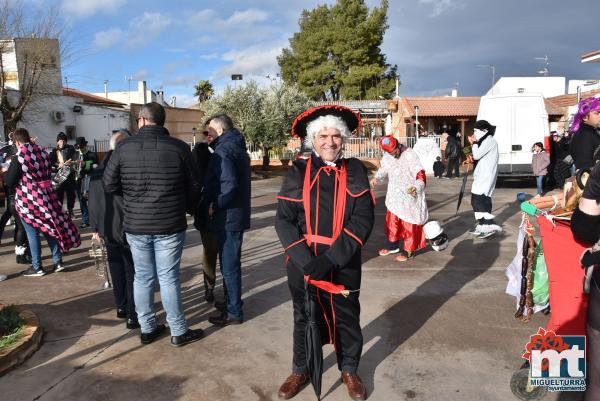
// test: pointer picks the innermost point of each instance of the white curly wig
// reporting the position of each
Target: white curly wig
(328, 121)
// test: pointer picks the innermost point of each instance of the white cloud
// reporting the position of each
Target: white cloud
(247, 17)
(145, 28)
(140, 75)
(211, 56)
(441, 6)
(142, 30)
(242, 26)
(254, 60)
(87, 8)
(106, 39)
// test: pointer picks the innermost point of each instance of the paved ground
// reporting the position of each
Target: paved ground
(436, 328)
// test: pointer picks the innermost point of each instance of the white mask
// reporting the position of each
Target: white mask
(480, 133)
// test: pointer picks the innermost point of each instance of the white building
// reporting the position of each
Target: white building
(142, 95)
(75, 113)
(547, 86)
(584, 85)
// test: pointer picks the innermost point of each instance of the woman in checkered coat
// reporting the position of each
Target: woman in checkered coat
(37, 204)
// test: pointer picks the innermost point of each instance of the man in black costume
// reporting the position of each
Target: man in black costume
(334, 193)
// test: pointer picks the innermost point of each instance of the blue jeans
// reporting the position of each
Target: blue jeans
(540, 184)
(158, 255)
(36, 247)
(85, 216)
(230, 255)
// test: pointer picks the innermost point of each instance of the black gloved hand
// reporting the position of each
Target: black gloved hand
(590, 258)
(319, 267)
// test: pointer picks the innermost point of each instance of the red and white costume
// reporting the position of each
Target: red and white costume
(406, 214)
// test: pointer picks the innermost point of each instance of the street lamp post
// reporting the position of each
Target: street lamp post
(235, 78)
(194, 136)
(417, 122)
(492, 67)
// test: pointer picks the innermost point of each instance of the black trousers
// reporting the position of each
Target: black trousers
(68, 188)
(482, 204)
(20, 236)
(453, 167)
(348, 335)
(120, 263)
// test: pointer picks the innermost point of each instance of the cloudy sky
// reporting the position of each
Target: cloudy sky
(435, 43)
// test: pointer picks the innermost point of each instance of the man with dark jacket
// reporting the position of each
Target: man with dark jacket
(86, 161)
(64, 154)
(106, 218)
(202, 153)
(585, 145)
(227, 196)
(156, 174)
(453, 151)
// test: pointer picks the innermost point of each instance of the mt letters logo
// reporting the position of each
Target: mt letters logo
(556, 361)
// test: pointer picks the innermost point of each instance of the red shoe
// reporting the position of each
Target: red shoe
(385, 252)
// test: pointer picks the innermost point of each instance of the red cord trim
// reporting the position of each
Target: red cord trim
(295, 243)
(357, 195)
(289, 199)
(353, 236)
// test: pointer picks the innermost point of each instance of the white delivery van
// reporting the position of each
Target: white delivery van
(521, 120)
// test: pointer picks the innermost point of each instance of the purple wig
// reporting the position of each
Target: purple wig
(583, 109)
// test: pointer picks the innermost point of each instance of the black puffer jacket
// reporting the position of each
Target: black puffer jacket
(156, 174)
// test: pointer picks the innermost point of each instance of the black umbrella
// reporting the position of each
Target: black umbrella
(314, 347)
(462, 188)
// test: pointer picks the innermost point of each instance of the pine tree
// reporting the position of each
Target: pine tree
(336, 54)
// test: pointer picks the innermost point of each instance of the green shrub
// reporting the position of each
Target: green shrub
(11, 325)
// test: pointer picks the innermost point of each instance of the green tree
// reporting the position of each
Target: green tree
(337, 52)
(264, 115)
(203, 90)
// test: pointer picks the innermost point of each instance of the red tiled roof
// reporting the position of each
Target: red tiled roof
(442, 106)
(593, 56)
(92, 99)
(571, 100)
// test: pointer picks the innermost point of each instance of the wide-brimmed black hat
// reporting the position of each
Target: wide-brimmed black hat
(351, 118)
(484, 125)
(80, 142)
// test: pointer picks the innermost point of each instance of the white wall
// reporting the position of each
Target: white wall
(574, 83)
(93, 122)
(97, 122)
(547, 86)
(130, 97)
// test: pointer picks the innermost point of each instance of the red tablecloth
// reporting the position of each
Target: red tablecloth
(568, 303)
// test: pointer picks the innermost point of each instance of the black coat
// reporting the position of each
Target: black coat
(156, 174)
(106, 210)
(583, 146)
(453, 148)
(68, 152)
(290, 222)
(227, 183)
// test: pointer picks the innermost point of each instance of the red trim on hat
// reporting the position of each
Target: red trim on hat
(308, 113)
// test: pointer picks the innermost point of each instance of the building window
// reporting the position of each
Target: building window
(70, 131)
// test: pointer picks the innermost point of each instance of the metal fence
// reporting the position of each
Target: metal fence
(366, 148)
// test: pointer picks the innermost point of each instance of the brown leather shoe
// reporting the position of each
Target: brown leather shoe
(356, 388)
(292, 385)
